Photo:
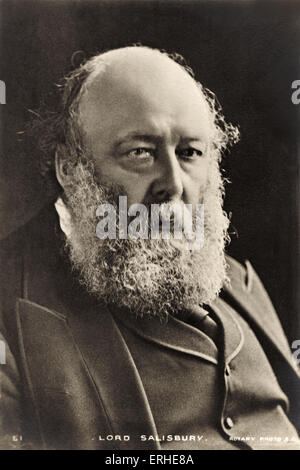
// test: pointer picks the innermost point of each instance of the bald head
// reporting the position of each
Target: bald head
(141, 60)
(135, 79)
(136, 67)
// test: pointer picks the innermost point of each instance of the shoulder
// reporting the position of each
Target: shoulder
(247, 291)
(246, 285)
(31, 236)
(245, 282)
(243, 277)
(24, 251)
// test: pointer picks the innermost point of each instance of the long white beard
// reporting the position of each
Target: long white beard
(148, 277)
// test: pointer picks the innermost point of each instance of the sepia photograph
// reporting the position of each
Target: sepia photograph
(150, 226)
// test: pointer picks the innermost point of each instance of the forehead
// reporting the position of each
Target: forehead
(145, 94)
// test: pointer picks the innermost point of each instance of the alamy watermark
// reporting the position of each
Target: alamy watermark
(296, 94)
(157, 221)
(296, 352)
(2, 352)
(2, 92)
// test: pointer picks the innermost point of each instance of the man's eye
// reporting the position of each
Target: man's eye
(141, 153)
(189, 153)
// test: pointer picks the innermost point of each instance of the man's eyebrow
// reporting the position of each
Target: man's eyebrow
(153, 138)
(135, 136)
(197, 138)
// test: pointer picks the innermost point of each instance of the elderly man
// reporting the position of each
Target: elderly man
(119, 342)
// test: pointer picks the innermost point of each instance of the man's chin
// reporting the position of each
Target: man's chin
(153, 278)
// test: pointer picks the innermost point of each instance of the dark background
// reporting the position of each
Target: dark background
(247, 52)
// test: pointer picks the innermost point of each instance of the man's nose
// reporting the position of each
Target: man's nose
(168, 185)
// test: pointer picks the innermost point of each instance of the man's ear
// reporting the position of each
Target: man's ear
(60, 166)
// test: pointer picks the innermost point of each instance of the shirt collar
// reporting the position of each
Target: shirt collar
(64, 217)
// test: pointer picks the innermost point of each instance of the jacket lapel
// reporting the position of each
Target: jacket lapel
(232, 333)
(115, 375)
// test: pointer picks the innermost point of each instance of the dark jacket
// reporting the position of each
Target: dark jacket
(55, 334)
